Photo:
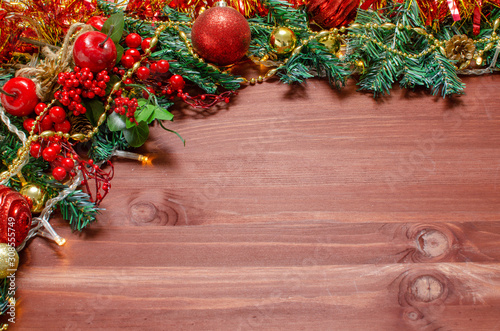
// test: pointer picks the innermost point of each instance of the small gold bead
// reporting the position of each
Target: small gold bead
(375, 25)
(66, 136)
(252, 81)
(260, 79)
(342, 29)
(400, 26)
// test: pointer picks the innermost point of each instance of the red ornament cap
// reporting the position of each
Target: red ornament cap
(221, 35)
(15, 216)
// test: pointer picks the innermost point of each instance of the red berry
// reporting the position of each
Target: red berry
(127, 61)
(46, 124)
(56, 147)
(57, 114)
(36, 149)
(28, 124)
(40, 107)
(142, 73)
(49, 154)
(89, 51)
(64, 126)
(163, 66)
(133, 40)
(177, 82)
(23, 99)
(145, 94)
(153, 67)
(59, 173)
(68, 163)
(133, 53)
(145, 44)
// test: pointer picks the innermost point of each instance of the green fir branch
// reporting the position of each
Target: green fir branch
(78, 210)
(105, 142)
(5, 296)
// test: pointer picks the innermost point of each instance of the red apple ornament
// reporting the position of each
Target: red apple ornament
(94, 50)
(97, 22)
(20, 97)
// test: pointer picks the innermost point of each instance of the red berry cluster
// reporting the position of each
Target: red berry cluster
(54, 120)
(51, 151)
(127, 107)
(81, 83)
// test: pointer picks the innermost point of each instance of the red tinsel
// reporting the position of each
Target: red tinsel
(45, 20)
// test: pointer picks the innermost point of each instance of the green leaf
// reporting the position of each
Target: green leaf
(95, 109)
(145, 114)
(118, 22)
(116, 122)
(129, 124)
(163, 114)
(119, 53)
(137, 135)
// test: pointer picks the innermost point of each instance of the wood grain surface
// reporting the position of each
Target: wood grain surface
(291, 208)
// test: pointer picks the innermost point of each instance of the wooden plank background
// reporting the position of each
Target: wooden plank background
(291, 208)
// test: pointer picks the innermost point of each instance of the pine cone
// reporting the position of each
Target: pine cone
(460, 49)
(80, 124)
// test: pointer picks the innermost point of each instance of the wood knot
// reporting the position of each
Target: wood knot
(143, 212)
(426, 288)
(423, 287)
(412, 315)
(155, 209)
(433, 243)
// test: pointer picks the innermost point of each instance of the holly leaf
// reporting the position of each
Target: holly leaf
(116, 122)
(117, 21)
(137, 135)
(94, 111)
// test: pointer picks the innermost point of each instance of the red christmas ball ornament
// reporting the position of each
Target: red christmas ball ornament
(15, 216)
(221, 35)
(332, 13)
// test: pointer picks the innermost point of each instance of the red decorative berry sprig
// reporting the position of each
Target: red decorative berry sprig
(205, 101)
(102, 185)
(81, 83)
(59, 153)
(54, 119)
(127, 107)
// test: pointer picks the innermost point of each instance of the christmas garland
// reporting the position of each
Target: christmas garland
(100, 85)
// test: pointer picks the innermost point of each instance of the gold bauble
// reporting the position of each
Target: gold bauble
(331, 43)
(35, 195)
(9, 260)
(282, 40)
